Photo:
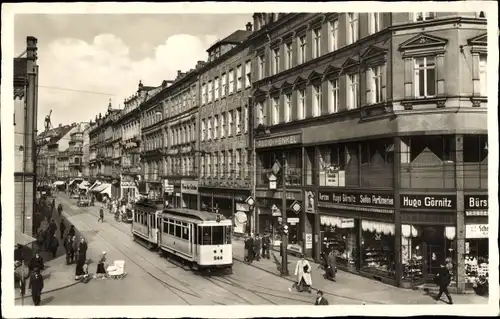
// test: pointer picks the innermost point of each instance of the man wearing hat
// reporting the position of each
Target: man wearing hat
(320, 300)
(36, 286)
(443, 279)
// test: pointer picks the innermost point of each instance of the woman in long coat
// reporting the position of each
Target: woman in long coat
(303, 273)
(101, 266)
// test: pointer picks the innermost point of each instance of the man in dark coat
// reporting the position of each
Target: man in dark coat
(36, 286)
(36, 262)
(257, 244)
(82, 249)
(101, 215)
(331, 265)
(266, 244)
(62, 228)
(443, 279)
(68, 246)
(320, 300)
(40, 239)
(59, 209)
(53, 206)
(71, 231)
(51, 230)
(249, 248)
(53, 245)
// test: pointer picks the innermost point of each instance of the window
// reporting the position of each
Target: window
(231, 81)
(260, 113)
(288, 108)
(248, 74)
(209, 128)
(374, 85)
(215, 164)
(483, 74)
(423, 16)
(203, 93)
(171, 228)
(202, 168)
(223, 85)
(216, 126)
(334, 34)
(229, 163)
(374, 18)
(262, 67)
(193, 95)
(317, 105)
(209, 166)
(425, 77)
(216, 92)
(245, 118)
(206, 235)
(276, 111)
(238, 121)
(353, 27)
(353, 91)
(237, 160)
(222, 157)
(239, 78)
(288, 55)
(218, 235)
(209, 92)
(301, 107)
(333, 106)
(317, 43)
(302, 49)
(276, 60)
(222, 126)
(230, 123)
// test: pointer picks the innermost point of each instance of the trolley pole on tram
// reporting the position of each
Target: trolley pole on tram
(284, 234)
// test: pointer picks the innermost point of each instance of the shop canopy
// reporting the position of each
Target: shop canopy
(75, 180)
(23, 239)
(57, 183)
(84, 185)
(96, 184)
(106, 190)
(103, 188)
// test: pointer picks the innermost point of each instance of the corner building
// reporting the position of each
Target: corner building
(382, 120)
(225, 157)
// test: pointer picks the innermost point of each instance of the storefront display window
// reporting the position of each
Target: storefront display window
(476, 252)
(293, 167)
(340, 234)
(378, 248)
(412, 253)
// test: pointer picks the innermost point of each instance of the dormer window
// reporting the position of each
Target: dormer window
(422, 16)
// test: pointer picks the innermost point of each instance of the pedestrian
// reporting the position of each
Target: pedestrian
(101, 267)
(36, 286)
(249, 248)
(36, 262)
(68, 246)
(62, 228)
(53, 206)
(331, 265)
(71, 231)
(52, 228)
(257, 244)
(82, 248)
(22, 273)
(320, 300)
(74, 249)
(266, 243)
(443, 279)
(79, 271)
(54, 244)
(40, 238)
(245, 247)
(60, 209)
(101, 215)
(303, 273)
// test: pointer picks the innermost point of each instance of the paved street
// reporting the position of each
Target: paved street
(153, 280)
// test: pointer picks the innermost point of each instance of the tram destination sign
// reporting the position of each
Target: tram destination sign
(359, 199)
(436, 202)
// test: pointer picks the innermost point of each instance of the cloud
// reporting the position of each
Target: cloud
(104, 65)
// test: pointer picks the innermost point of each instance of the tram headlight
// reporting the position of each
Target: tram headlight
(221, 251)
(215, 251)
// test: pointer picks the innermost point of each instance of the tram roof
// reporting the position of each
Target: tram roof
(146, 202)
(192, 213)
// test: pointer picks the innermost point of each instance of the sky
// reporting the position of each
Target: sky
(108, 54)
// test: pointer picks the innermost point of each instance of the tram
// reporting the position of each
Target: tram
(145, 217)
(202, 239)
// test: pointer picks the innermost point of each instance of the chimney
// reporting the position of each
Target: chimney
(179, 73)
(249, 26)
(109, 105)
(60, 125)
(31, 48)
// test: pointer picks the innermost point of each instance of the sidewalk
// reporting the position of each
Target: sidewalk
(348, 284)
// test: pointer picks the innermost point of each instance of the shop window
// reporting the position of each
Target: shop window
(476, 258)
(412, 253)
(351, 165)
(378, 248)
(340, 235)
(475, 148)
(332, 165)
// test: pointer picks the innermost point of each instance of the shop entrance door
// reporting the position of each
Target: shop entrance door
(433, 251)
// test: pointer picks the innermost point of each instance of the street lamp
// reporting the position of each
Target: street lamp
(284, 234)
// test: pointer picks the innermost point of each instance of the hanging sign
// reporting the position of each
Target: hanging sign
(309, 241)
(296, 207)
(275, 211)
(476, 231)
(272, 181)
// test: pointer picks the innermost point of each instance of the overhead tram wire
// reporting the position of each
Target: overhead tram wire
(74, 90)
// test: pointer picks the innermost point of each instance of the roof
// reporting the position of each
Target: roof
(55, 134)
(195, 214)
(236, 37)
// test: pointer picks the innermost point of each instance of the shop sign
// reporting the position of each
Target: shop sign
(169, 189)
(292, 220)
(309, 241)
(242, 207)
(332, 176)
(346, 223)
(309, 202)
(357, 199)
(189, 187)
(476, 231)
(279, 141)
(294, 248)
(277, 195)
(272, 181)
(476, 202)
(275, 211)
(429, 202)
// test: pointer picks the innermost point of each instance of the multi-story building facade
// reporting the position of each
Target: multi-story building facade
(225, 156)
(60, 153)
(75, 151)
(380, 117)
(25, 119)
(130, 124)
(47, 148)
(101, 159)
(86, 150)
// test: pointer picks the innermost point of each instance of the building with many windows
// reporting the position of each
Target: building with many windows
(379, 122)
(48, 150)
(75, 151)
(225, 81)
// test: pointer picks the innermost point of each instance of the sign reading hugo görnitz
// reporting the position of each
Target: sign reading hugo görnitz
(386, 200)
(476, 202)
(429, 201)
(279, 141)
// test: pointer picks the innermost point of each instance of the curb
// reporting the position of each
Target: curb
(52, 290)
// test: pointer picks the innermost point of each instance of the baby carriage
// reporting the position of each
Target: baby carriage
(117, 270)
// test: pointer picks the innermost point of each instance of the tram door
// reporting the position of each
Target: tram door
(191, 238)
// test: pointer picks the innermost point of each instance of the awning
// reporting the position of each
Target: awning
(57, 183)
(101, 188)
(23, 239)
(377, 227)
(94, 185)
(84, 185)
(106, 190)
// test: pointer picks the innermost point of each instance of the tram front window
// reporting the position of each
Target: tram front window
(212, 235)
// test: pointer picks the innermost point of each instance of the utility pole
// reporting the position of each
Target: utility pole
(284, 234)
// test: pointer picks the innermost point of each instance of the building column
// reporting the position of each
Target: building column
(460, 217)
(397, 205)
(317, 220)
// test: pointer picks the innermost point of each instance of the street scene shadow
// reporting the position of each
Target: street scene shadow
(277, 262)
(46, 301)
